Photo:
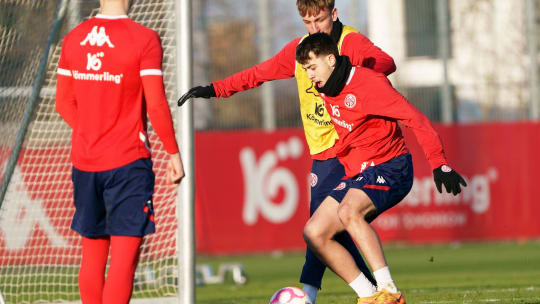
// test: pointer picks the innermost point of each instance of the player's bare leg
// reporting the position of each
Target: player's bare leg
(319, 232)
(352, 212)
(356, 205)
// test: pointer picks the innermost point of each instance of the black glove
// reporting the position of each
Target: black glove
(198, 92)
(450, 178)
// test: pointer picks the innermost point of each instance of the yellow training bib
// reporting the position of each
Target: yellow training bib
(320, 133)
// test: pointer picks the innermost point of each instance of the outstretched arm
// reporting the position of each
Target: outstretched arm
(383, 100)
(389, 103)
(280, 66)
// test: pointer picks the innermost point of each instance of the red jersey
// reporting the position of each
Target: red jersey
(104, 65)
(366, 115)
(359, 49)
(320, 134)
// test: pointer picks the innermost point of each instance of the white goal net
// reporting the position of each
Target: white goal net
(39, 254)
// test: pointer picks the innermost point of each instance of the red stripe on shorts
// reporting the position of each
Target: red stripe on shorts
(385, 188)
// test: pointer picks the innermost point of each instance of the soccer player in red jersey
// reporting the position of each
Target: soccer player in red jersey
(326, 172)
(109, 79)
(365, 111)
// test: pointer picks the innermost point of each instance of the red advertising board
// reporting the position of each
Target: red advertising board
(252, 194)
(36, 214)
(237, 205)
(252, 190)
(499, 163)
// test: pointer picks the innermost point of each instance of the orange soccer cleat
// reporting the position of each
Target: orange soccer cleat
(383, 297)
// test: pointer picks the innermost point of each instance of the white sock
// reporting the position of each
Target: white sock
(384, 279)
(311, 292)
(362, 286)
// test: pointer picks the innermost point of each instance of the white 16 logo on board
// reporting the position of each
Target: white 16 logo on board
(264, 179)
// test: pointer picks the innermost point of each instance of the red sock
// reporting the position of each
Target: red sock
(124, 259)
(92, 272)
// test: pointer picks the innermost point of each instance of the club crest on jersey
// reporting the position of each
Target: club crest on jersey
(341, 186)
(313, 180)
(97, 37)
(350, 101)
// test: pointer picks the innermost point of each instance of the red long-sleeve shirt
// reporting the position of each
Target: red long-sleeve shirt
(366, 115)
(109, 79)
(359, 49)
(320, 134)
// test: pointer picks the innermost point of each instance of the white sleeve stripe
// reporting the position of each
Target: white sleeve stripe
(64, 72)
(151, 72)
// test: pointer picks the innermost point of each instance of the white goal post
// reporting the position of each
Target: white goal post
(39, 254)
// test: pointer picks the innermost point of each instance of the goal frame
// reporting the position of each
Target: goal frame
(186, 195)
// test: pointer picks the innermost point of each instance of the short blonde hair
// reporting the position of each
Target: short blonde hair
(313, 7)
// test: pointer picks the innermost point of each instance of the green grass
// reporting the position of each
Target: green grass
(459, 273)
(506, 272)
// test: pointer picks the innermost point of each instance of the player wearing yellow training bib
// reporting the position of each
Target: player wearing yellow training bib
(318, 16)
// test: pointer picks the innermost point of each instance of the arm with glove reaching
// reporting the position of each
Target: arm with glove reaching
(280, 66)
(197, 92)
(392, 104)
(444, 175)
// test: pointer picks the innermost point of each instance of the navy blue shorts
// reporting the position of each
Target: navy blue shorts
(325, 176)
(114, 202)
(385, 184)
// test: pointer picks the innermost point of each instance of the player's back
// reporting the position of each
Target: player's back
(106, 57)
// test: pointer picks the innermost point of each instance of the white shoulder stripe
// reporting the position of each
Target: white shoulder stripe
(64, 72)
(151, 72)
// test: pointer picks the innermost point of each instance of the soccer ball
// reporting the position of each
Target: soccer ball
(290, 295)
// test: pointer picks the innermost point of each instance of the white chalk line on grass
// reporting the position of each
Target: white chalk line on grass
(466, 292)
(464, 302)
(530, 288)
(468, 301)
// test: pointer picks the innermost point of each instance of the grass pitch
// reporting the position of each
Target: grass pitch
(506, 272)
